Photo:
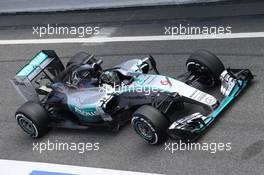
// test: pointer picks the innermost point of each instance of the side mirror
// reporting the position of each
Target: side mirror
(153, 64)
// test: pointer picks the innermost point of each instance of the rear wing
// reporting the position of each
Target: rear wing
(42, 69)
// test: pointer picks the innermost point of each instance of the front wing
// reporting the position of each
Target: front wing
(234, 81)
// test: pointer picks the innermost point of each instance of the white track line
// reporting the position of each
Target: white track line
(12, 167)
(132, 38)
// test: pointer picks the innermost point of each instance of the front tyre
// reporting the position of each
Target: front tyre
(207, 66)
(150, 124)
(33, 119)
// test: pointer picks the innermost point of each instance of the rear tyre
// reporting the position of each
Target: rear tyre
(150, 124)
(79, 58)
(207, 66)
(33, 119)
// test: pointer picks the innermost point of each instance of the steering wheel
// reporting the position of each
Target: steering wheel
(84, 72)
(110, 77)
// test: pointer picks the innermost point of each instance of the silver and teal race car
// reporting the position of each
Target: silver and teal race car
(82, 94)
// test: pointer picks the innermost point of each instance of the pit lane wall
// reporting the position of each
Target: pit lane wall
(30, 13)
(71, 5)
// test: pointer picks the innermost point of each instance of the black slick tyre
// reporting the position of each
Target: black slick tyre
(150, 124)
(207, 66)
(33, 119)
(79, 58)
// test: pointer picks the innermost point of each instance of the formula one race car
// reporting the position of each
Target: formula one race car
(83, 95)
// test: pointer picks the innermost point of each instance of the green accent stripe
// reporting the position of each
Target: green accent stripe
(237, 89)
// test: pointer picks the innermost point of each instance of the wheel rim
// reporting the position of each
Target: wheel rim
(27, 125)
(203, 72)
(144, 130)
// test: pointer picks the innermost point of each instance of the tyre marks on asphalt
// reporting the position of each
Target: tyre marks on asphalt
(253, 150)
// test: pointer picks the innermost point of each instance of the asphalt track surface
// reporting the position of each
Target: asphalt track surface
(242, 123)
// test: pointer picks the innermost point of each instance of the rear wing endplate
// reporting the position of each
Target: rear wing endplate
(41, 69)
